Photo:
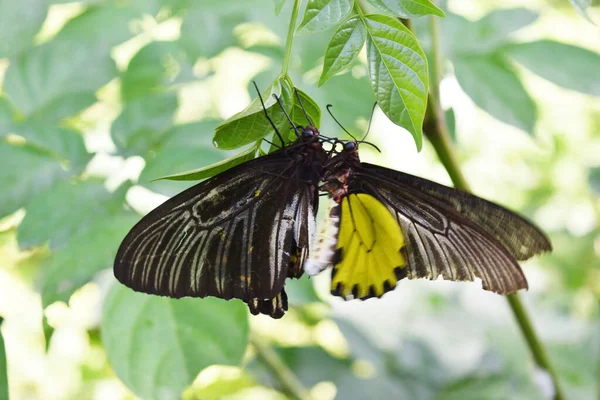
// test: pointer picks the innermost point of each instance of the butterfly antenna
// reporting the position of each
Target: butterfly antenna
(370, 121)
(294, 127)
(338, 122)
(303, 109)
(267, 114)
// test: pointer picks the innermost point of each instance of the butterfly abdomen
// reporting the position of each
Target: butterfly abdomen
(326, 242)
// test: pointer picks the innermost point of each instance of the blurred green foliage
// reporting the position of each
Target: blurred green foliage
(99, 98)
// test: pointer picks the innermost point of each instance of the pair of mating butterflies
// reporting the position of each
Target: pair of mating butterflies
(242, 233)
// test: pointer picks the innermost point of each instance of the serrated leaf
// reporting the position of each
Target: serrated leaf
(278, 5)
(36, 172)
(214, 169)
(47, 73)
(66, 210)
(84, 255)
(323, 14)
(251, 125)
(344, 47)
(576, 68)
(3, 367)
(485, 35)
(408, 8)
(495, 88)
(21, 21)
(143, 123)
(157, 345)
(398, 73)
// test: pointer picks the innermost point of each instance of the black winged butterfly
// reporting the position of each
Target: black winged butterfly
(384, 225)
(237, 235)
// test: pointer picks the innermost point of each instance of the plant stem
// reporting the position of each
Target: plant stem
(437, 132)
(287, 55)
(286, 377)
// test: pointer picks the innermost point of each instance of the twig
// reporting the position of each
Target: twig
(437, 132)
(286, 377)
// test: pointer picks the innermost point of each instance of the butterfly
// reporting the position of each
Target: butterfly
(239, 234)
(385, 225)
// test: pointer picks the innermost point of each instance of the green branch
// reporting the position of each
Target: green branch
(286, 377)
(287, 55)
(436, 130)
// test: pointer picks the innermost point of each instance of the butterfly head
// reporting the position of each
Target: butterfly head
(308, 132)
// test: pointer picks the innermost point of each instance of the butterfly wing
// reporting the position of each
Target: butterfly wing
(519, 236)
(452, 233)
(236, 235)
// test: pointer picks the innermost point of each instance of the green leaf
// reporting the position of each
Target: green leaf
(216, 168)
(495, 88)
(21, 21)
(67, 210)
(278, 5)
(91, 26)
(207, 30)
(50, 72)
(36, 172)
(487, 34)
(398, 73)
(152, 68)
(84, 255)
(576, 68)
(344, 47)
(408, 8)
(63, 107)
(65, 145)
(143, 123)
(185, 148)
(3, 367)
(250, 124)
(323, 14)
(157, 345)
(581, 7)
(311, 108)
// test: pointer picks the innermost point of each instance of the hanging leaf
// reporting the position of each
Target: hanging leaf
(576, 68)
(250, 125)
(323, 14)
(495, 88)
(344, 47)
(398, 72)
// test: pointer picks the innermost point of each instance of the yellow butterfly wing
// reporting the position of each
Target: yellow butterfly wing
(370, 249)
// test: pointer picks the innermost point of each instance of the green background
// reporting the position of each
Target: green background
(98, 98)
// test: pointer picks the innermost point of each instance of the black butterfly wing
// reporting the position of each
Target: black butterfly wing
(236, 235)
(451, 233)
(519, 236)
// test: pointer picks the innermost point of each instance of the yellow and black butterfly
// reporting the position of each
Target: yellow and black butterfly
(237, 235)
(385, 225)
